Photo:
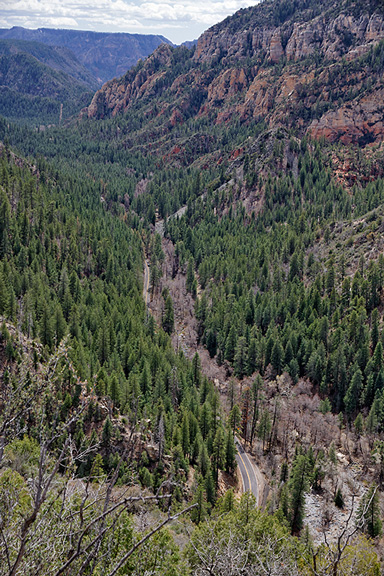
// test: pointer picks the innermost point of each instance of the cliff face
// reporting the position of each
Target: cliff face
(358, 122)
(315, 69)
(116, 95)
(328, 36)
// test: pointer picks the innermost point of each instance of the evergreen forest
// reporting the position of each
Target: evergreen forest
(183, 287)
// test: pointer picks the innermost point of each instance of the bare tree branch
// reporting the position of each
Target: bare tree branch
(147, 536)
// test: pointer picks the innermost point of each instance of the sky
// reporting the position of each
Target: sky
(177, 20)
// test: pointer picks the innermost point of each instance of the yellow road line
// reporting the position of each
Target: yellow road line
(249, 479)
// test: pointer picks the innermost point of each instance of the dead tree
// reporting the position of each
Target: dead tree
(54, 523)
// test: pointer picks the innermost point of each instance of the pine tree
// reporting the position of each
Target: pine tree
(97, 472)
(63, 284)
(330, 280)
(352, 397)
(339, 500)
(227, 503)
(146, 381)
(210, 488)
(205, 419)
(218, 452)
(375, 328)
(190, 275)
(230, 345)
(298, 485)
(234, 418)
(5, 212)
(230, 452)
(185, 440)
(168, 317)
(196, 370)
(284, 472)
(46, 332)
(288, 353)
(4, 295)
(101, 382)
(240, 357)
(277, 357)
(107, 434)
(203, 459)
(199, 513)
(211, 343)
(59, 324)
(359, 424)
(294, 268)
(103, 344)
(114, 390)
(252, 360)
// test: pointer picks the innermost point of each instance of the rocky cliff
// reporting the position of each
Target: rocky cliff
(330, 35)
(315, 67)
(117, 95)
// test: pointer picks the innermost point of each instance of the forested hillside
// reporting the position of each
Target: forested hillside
(41, 84)
(71, 274)
(214, 211)
(56, 57)
(104, 55)
(47, 76)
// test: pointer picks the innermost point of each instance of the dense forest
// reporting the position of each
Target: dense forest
(72, 261)
(268, 300)
(118, 454)
(71, 274)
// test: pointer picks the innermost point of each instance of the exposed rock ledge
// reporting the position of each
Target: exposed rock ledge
(353, 123)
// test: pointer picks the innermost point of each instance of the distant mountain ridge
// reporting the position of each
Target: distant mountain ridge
(41, 84)
(59, 58)
(104, 55)
(24, 74)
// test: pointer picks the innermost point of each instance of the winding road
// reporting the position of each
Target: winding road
(247, 471)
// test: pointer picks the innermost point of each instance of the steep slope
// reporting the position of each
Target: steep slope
(33, 91)
(105, 55)
(314, 67)
(274, 264)
(26, 75)
(56, 57)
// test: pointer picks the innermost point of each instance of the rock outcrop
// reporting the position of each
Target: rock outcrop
(116, 95)
(300, 70)
(327, 35)
(353, 123)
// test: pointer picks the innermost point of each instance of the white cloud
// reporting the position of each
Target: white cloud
(189, 17)
(52, 22)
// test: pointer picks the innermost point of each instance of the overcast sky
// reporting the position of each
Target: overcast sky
(178, 20)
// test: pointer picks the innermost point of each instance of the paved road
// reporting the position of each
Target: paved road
(246, 468)
(247, 471)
